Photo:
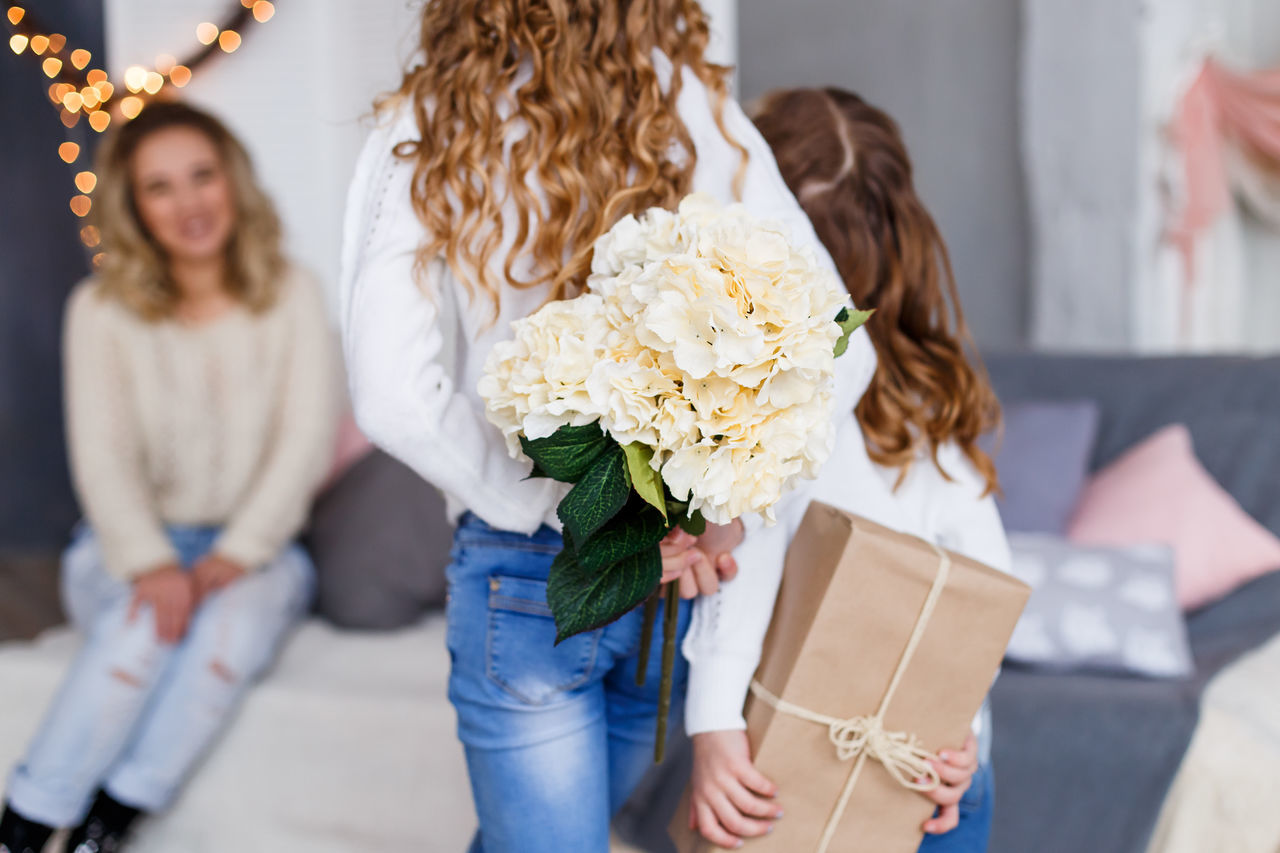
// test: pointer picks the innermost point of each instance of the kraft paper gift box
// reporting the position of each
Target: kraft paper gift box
(837, 656)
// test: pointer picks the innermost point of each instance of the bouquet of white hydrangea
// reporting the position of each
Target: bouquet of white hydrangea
(692, 382)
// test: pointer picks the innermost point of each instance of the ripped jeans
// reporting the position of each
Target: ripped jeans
(134, 715)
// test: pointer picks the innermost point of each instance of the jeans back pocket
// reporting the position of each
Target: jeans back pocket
(523, 657)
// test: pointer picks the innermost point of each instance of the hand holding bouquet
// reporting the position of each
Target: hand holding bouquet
(692, 382)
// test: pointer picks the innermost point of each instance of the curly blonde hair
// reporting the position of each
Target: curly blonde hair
(134, 269)
(593, 128)
(847, 164)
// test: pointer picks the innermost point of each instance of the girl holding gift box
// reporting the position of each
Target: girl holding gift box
(528, 129)
(919, 419)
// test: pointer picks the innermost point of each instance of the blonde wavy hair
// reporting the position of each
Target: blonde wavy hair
(848, 166)
(593, 128)
(134, 269)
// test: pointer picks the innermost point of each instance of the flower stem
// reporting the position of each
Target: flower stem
(670, 618)
(646, 636)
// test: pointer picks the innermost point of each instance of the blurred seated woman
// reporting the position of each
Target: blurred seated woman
(200, 417)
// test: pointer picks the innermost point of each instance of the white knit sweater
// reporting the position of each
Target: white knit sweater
(227, 424)
(415, 351)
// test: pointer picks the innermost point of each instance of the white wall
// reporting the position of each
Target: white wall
(1101, 81)
(947, 71)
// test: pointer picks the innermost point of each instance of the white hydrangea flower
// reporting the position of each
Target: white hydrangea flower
(705, 335)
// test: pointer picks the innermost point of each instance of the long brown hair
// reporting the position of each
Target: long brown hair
(134, 269)
(601, 134)
(848, 166)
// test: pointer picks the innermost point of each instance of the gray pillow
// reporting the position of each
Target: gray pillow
(1099, 608)
(380, 541)
(1043, 460)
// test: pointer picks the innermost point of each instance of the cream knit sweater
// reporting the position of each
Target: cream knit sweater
(229, 424)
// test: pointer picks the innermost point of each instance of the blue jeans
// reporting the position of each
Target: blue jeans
(134, 715)
(556, 736)
(974, 829)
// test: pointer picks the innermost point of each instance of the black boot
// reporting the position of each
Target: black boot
(19, 835)
(104, 828)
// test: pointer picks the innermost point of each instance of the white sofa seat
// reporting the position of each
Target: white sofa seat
(348, 744)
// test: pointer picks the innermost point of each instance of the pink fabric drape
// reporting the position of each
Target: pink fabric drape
(1221, 108)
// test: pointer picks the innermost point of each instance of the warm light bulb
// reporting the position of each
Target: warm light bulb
(69, 119)
(15, 14)
(207, 33)
(86, 181)
(90, 236)
(68, 151)
(248, 4)
(180, 76)
(57, 41)
(96, 76)
(165, 63)
(18, 43)
(135, 77)
(154, 82)
(39, 44)
(90, 97)
(105, 90)
(263, 10)
(229, 40)
(72, 101)
(99, 120)
(80, 205)
(52, 66)
(98, 259)
(80, 58)
(131, 106)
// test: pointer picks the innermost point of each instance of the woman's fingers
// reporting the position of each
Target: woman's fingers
(688, 585)
(709, 825)
(704, 574)
(947, 818)
(754, 780)
(676, 542)
(726, 567)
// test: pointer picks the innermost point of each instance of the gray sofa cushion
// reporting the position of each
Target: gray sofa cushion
(381, 542)
(1043, 458)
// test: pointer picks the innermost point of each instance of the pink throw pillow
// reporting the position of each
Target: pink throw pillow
(1159, 492)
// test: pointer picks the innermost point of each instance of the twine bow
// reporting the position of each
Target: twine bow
(859, 738)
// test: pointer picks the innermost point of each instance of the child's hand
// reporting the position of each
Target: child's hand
(729, 799)
(956, 771)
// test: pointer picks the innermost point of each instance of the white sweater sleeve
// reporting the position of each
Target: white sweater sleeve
(397, 348)
(727, 630)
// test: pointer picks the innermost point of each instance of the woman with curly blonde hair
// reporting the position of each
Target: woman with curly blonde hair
(200, 417)
(528, 128)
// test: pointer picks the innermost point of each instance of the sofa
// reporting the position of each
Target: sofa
(348, 745)
(1084, 762)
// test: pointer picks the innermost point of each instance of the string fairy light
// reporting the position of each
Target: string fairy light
(81, 92)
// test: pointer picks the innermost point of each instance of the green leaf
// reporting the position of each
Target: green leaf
(566, 454)
(849, 321)
(646, 481)
(695, 524)
(583, 599)
(638, 526)
(597, 497)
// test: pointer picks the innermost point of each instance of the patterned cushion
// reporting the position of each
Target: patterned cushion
(1099, 608)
